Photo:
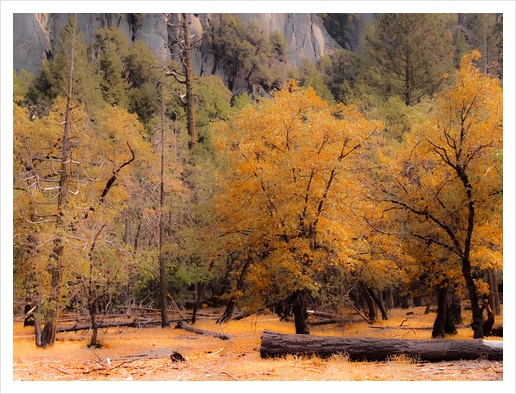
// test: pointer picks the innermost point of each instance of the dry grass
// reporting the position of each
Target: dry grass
(145, 355)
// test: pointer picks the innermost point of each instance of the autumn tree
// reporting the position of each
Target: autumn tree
(86, 228)
(441, 189)
(287, 177)
(66, 166)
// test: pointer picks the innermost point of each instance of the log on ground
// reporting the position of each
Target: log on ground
(185, 326)
(137, 323)
(276, 345)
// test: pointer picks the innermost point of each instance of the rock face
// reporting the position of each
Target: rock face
(34, 35)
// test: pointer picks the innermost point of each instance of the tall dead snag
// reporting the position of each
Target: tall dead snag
(187, 63)
(162, 261)
(185, 77)
(277, 345)
(55, 269)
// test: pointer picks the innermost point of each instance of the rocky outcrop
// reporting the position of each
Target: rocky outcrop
(34, 35)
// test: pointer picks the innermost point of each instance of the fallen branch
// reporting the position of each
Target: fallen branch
(185, 326)
(136, 323)
(218, 351)
(325, 322)
(63, 371)
(321, 314)
(400, 328)
(360, 313)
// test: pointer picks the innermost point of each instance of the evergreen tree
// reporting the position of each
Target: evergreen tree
(53, 80)
(412, 53)
(111, 49)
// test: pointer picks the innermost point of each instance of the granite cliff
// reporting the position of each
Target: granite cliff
(34, 35)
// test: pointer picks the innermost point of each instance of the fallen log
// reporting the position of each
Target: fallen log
(322, 314)
(325, 322)
(137, 323)
(185, 326)
(276, 345)
(412, 328)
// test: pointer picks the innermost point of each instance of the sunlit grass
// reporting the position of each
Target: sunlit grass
(210, 358)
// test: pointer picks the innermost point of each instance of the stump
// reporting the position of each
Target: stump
(369, 349)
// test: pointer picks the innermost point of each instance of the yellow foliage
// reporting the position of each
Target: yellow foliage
(288, 176)
(437, 196)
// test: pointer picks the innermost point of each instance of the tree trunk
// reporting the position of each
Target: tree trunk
(196, 303)
(187, 63)
(94, 325)
(488, 324)
(454, 308)
(370, 304)
(404, 302)
(299, 308)
(438, 330)
(497, 309)
(228, 313)
(55, 262)
(162, 261)
(476, 324)
(278, 345)
(390, 298)
(37, 325)
(378, 301)
(494, 301)
(48, 336)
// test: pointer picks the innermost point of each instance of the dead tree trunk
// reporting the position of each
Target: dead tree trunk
(185, 326)
(163, 281)
(277, 345)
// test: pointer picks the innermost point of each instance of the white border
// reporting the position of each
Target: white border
(8, 8)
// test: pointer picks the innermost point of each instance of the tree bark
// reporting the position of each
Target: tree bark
(494, 301)
(187, 63)
(48, 335)
(277, 345)
(228, 313)
(378, 301)
(94, 324)
(404, 302)
(488, 324)
(230, 308)
(299, 308)
(162, 261)
(442, 307)
(370, 304)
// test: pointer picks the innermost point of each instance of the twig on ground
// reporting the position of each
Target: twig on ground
(214, 353)
(68, 372)
(231, 376)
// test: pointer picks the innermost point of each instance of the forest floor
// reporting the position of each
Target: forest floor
(144, 354)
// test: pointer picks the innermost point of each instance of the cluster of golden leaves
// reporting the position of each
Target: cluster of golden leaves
(100, 148)
(422, 193)
(290, 164)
